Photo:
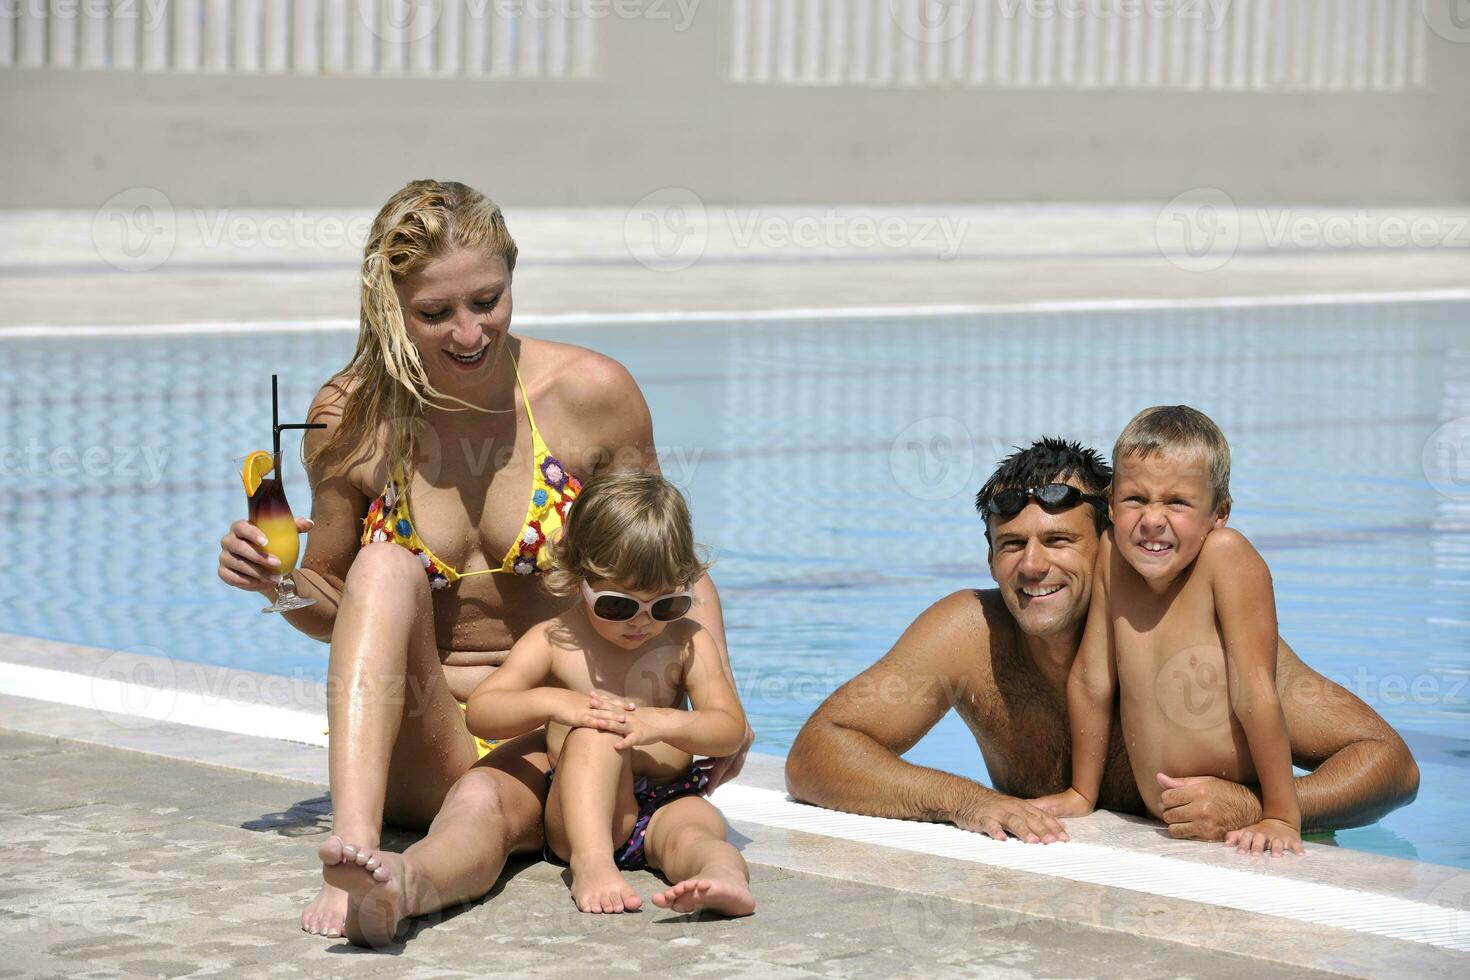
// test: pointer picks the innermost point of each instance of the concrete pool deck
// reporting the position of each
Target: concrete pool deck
(130, 265)
(140, 845)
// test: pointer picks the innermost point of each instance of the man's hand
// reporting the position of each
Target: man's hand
(1067, 803)
(996, 816)
(727, 768)
(1206, 808)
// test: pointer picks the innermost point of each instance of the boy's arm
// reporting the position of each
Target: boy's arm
(1091, 685)
(714, 725)
(1359, 767)
(1246, 607)
(512, 700)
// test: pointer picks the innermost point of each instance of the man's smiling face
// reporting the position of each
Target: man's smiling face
(1043, 564)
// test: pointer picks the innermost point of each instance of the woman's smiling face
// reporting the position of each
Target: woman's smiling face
(457, 310)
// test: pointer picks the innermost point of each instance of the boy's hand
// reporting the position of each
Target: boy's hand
(1276, 835)
(1067, 803)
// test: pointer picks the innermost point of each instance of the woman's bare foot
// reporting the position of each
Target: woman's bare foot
(598, 886)
(325, 914)
(373, 883)
(725, 893)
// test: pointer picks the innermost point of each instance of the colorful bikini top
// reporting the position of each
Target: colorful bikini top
(552, 491)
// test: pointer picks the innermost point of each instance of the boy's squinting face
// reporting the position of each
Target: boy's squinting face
(1162, 508)
(633, 633)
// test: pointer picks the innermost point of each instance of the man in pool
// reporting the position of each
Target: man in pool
(1001, 658)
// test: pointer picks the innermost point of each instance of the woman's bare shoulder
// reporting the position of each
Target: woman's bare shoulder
(346, 453)
(569, 371)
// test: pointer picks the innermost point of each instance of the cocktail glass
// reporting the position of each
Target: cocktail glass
(270, 512)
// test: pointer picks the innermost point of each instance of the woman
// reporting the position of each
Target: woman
(441, 406)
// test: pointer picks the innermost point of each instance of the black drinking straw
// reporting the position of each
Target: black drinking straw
(276, 425)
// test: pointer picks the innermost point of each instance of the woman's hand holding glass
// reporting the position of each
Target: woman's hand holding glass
(243, 561)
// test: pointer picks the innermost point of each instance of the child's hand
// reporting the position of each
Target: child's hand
(596, 710)
(1278, 836)
(1067, 803)
(640, 730)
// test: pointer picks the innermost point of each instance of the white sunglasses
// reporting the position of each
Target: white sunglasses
(618, 607)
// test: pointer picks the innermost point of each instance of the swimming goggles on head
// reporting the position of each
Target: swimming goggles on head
(1052, 497)
(617, 607)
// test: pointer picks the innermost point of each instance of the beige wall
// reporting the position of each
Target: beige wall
(663, 115)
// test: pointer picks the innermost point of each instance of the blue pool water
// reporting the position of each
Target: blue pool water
(831, 468)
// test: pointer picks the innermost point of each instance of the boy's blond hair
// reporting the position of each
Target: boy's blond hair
(627, 526)
(1170, 430)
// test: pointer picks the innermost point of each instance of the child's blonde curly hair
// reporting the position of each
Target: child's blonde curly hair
(630, 527)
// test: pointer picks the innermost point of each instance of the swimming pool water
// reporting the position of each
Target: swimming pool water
(831, 466)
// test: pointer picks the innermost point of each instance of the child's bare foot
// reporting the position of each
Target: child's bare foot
(326, 913)
(727, 894)
(373, 883)
(598, 886)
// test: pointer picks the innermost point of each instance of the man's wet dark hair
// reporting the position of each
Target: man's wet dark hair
(1048, 460)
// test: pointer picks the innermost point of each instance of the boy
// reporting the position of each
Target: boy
(1182, 621)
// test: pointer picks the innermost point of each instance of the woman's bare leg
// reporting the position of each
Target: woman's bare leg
(398, 736)
(591, 810)
(494, 810)
(686, 841)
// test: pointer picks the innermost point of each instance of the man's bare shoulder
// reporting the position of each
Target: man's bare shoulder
(959, 629)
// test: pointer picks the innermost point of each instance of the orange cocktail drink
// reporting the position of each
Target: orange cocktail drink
(271, 513)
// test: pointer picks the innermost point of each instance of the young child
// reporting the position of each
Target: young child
(1183, 624)
(607, 678)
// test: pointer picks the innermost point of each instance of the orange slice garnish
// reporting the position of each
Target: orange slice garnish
(257, 465)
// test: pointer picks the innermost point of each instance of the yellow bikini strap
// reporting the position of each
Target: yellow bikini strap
(535, 436)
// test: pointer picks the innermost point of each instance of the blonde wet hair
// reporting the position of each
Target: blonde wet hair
(1174, 430)
(385, 381)
(630, 527)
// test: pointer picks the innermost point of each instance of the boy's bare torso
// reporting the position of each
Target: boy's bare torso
(1174, 702)
(650, 677)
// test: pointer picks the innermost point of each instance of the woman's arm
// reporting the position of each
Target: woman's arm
(338, 507)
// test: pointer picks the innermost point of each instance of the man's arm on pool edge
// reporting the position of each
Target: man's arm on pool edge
(1361, 768)
(847, 755)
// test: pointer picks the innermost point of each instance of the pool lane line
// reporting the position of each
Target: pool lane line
(802, 314)
(1251, 891)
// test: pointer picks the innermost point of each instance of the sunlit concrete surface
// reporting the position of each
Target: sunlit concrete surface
(145, 262)
(138, 846)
